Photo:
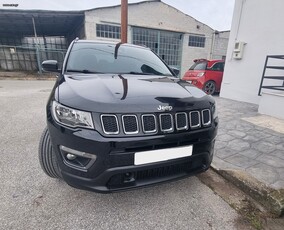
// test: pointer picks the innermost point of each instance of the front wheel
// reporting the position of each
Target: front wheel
(46, 155)
(209, 87)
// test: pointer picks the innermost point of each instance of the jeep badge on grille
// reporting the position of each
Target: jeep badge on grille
(165, 108)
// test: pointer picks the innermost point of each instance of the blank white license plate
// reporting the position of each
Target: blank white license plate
(147, 157)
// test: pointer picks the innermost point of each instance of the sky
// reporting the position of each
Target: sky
(215, 13)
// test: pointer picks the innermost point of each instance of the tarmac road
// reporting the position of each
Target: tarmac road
(31, 200)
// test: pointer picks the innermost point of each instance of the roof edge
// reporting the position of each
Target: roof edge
(134, 3)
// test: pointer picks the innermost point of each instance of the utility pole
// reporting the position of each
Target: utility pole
(37, 47)
(124, 20)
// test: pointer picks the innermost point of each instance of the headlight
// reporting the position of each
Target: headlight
(214, 111)
(200, 74)
(71, 117)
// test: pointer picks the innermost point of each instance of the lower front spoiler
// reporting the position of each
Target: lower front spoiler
(131, 177)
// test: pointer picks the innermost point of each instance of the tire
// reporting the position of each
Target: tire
(209, 87)
(46, 155)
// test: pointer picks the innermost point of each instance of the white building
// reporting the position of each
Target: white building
(175, 36)
(257, 25)
(178, 38)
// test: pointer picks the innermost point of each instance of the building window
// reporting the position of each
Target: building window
(196, 41)
(166, 44)
(108, 31)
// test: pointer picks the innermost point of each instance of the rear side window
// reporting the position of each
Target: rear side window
(199, 66)
(219, 66)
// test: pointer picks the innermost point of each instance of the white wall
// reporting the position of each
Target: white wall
(259, 23)
(220, 44)
(155, 15)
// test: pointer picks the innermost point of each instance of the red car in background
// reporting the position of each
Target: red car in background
(206, 75)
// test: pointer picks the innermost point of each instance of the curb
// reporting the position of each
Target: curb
(26, 76)
(29, 78)
(271, 199)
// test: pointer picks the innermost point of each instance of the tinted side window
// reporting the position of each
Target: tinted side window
(219, 66)
(199, 66)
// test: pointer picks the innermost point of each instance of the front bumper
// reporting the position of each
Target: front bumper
(114, 168)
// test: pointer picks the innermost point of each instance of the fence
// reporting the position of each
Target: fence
(27, 54)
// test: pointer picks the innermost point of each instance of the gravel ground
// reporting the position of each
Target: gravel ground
(31, 200)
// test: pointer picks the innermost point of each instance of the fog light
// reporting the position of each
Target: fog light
(129, 177)
(77, 153)
(77, 159)
(70, 157)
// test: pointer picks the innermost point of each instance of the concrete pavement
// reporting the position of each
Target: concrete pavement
(251, 146)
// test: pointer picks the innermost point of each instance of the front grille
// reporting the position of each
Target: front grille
(152, 123)
(166, 122)
(110, 124)
(130, 124)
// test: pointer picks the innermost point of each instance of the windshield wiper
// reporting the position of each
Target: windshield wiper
(153, 74)
(139, 73)
(81, 71)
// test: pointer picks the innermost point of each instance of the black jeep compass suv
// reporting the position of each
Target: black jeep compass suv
(118, 118)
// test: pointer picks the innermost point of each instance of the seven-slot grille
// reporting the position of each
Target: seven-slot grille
(151, 124)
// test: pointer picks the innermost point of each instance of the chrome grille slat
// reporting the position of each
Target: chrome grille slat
(206, 117)
(149, 123)
(109, 124)
(166, 122)
(181, 121)
(130, 124)
(194, 119)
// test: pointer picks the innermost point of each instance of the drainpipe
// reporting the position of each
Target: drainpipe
(124, 20)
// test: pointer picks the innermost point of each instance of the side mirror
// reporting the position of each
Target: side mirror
(50, 66)
(175, 70)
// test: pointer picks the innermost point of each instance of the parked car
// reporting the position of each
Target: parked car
(206, 75)
(118, 118)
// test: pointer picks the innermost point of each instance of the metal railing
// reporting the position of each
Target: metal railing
(275, 75)
(27, 58)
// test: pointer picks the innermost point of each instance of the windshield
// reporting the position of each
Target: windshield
(199, 66)
(100, 58)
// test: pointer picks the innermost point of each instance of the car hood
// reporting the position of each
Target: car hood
(112, 93)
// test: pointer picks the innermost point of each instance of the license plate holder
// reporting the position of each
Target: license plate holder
(160, 155)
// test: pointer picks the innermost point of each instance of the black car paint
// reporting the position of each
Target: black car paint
(109, 93)
(124, 94)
